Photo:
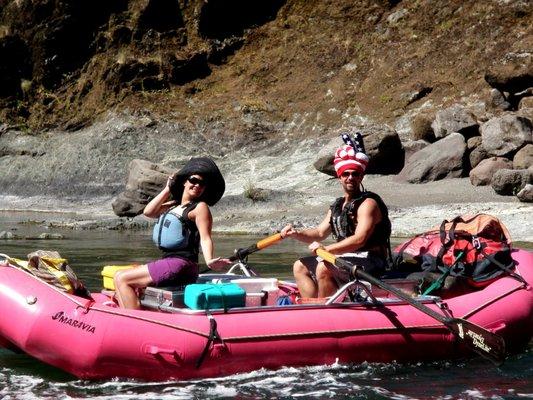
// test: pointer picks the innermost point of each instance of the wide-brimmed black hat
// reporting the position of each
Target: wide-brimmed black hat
(205, 167)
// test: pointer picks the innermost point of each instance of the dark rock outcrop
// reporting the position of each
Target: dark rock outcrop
(513, 75)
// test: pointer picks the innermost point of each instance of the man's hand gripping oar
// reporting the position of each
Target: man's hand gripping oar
(478, 339)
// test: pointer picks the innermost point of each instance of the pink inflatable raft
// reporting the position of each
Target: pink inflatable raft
(93, 339)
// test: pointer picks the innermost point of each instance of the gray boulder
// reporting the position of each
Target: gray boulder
(145, 181)
(503, 136)
(473, 142)
(523, 159)
(439, 160)
(482, 174)
(477, 155)
(526, 194)
(382, 145)
(413, 146)
(497, 101)
(508, 182)
(454, 119)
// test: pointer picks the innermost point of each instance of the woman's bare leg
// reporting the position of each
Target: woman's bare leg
(126, 281)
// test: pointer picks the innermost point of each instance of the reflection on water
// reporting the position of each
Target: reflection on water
(87, 251)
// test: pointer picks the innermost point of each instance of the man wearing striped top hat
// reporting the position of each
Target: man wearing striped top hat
(359, 223)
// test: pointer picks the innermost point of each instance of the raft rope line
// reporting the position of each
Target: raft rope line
(313, 333)
(266, 336)
(161, 323)
(493, 300)
(340, 331)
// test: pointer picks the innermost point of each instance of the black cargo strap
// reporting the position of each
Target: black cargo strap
(213, 335)
(505, 268)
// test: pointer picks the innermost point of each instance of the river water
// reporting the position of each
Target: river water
(22, 377)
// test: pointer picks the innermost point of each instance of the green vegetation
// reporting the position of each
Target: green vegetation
(254, 193)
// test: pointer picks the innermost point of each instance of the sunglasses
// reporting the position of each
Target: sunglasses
(353, 174)
(196, 181)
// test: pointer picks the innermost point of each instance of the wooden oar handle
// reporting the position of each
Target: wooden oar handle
(326, 255)
(269, 241)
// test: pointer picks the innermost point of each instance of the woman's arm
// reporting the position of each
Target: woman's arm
(204, 222)
(159, 204)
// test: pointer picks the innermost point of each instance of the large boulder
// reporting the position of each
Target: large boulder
(482, 174)
(523, 159)
(526, 194)
(413, 146)
(503, 136)
(145, 181)
(508, 182)
(382, 145)
(439, 160)
(454, 119)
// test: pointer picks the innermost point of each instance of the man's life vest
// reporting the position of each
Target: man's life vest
(176, 235)
(343, 221)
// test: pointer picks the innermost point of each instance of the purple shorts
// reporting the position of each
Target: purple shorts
(173, 271)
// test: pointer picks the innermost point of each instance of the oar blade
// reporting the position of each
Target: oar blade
(478, 339)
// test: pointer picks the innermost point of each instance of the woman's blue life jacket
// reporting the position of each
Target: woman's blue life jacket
(175, 234)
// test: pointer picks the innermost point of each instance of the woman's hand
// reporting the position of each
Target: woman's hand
(314, 246)
(217, 264)
(170, 179)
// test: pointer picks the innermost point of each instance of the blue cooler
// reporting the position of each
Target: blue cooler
(209, 296)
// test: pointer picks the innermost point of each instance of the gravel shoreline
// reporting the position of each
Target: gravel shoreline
(413, 208)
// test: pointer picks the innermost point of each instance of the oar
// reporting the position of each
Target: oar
(478, 339)
(240, 254)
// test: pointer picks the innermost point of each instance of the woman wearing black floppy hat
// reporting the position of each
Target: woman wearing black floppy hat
(184, 225)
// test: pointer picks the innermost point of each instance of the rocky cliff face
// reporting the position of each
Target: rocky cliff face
(248, 67)
(87, 86)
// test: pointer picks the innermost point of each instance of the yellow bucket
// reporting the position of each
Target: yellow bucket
(109, 271)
